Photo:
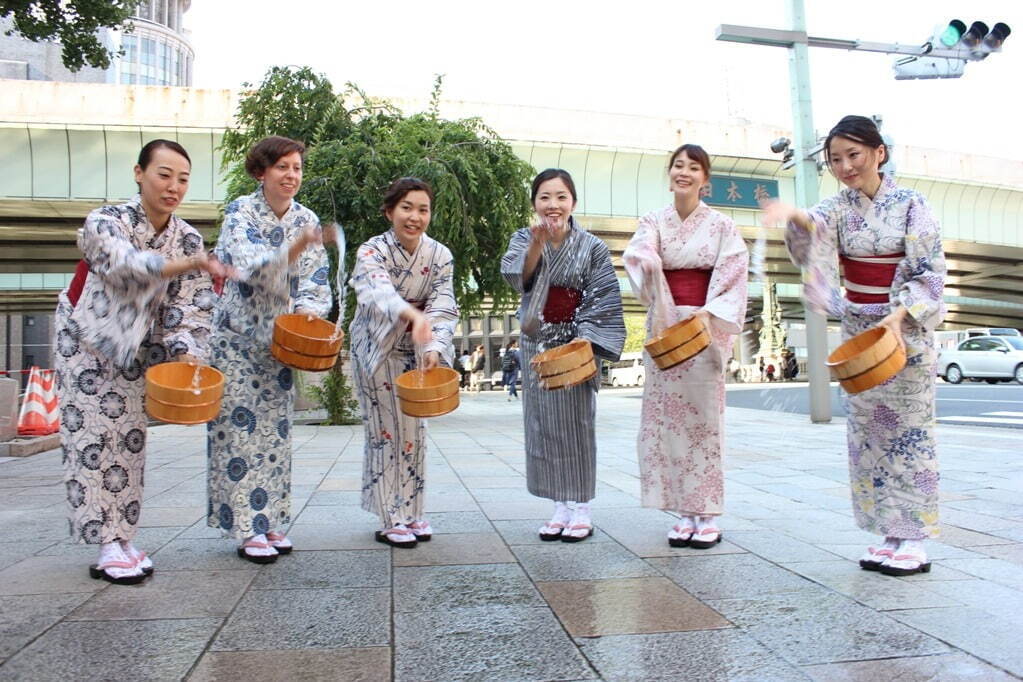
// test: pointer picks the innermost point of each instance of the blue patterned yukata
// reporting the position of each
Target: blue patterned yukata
(249, 443)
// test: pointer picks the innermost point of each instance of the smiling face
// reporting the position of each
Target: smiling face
(410, 218)
(855, 164)
(686, 176)
(282, 180)
(554, 202)
(163, 183)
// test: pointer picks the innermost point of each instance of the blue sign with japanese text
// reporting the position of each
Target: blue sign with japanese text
(727, 190)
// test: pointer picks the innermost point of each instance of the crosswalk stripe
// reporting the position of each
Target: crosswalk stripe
(983, 420)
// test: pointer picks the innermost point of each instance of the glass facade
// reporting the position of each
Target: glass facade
(156, 56)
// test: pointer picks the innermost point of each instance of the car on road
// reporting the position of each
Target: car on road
(628, 371)
(991, 358)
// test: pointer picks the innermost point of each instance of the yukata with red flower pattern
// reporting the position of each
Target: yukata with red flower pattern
(387, 279)
(127, 318)
(893, 463)
(681, 433)
(249, 442)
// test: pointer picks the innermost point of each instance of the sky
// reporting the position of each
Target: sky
(649, 57)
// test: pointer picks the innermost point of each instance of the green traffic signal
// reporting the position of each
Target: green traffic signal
(952, 33)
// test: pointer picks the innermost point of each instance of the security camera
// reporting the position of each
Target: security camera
(780, 145)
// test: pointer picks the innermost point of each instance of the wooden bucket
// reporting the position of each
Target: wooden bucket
(678, 343)
(428, 394)
(303, 343)
(566, 365)
(170, 396)
(867, 359)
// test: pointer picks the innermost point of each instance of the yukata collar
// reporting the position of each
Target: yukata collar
(700, 209)
(392, 239)
(858, 198)
(135, 204)
(263, 206)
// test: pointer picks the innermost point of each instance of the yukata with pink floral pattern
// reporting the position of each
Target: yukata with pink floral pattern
(681, 434)
(893, 463)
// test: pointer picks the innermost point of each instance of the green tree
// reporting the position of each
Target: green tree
(635, 333)
(74, 24)
(357, 145)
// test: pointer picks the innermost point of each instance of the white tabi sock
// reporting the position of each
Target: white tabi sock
(136, 555)
(112, 551)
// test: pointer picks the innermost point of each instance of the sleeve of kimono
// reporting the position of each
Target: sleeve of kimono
(514, 261)
(310, 281)
(188, 311)
(599, 316)
(112, 256)
(260, 266)
(726, 295)
(923, 267)
(643, 255)
(441, 308)
(816, 253)
(372, 284)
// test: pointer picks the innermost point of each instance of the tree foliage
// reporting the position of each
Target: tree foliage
(357, 145)
(74, 24)
(635, 333)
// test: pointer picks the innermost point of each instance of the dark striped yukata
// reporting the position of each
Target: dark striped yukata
(561, 446)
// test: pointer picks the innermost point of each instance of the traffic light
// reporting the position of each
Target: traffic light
(969, 44)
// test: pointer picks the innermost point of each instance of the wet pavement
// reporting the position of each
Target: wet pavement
(781, 598)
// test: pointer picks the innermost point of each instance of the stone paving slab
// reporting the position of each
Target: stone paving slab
(781, 598)
(702, 655)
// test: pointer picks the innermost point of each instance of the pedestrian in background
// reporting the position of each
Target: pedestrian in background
(510, 365)
(479, 364)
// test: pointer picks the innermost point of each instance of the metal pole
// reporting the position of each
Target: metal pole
(806, 196)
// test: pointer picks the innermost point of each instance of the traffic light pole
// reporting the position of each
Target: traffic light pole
(804, 137)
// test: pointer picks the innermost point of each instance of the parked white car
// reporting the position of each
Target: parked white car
(628, 371)
(992, 358)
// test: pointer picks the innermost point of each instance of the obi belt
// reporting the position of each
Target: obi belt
(868, 279)
(561, 304)
(689, 286)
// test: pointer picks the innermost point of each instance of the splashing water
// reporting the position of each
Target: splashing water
(420, 375)
(196, 378)
(759, 255)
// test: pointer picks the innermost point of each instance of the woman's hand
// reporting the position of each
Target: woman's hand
(893, 321)
(422, 332)
(430, 360)
(777, 213)
(703, 315)
(541, 232)
(307, 237)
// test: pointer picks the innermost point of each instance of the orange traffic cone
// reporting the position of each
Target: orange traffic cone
(39, 415)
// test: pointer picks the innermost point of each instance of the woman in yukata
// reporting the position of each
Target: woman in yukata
(141, 295)
(889, 245)
(687, 260)
(569, 291)
(275, 244)
(405, 318)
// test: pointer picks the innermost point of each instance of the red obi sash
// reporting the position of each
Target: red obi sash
(689, 286)
(418, 305)
(561, 304)
(868, 279)
(74, 290)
